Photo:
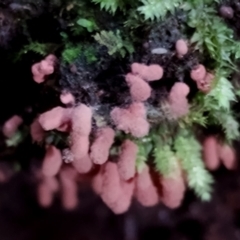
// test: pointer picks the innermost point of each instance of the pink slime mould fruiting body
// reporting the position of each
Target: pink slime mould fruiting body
(173, 188)
(227, 156)
(103, 141)
(210, 153)
(37, 132)
(177, 98)
(139, 89)
(68, 189)
(97, 181)
(181, 47)
(145, 191)
(45, 191)
(81, 129)
(122, 204)
(83, 164)
(205, 84)
(116, 193)
(130, 121)
(148, 73)
(52, 161)
(111, 184)
(43, 68)
(67, 98)
(198, 73)
(54, 118)
(11, 125)
(127, 160)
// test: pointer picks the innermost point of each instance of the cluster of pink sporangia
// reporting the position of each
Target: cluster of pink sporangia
(215, 153)
(117, 181)
(54, 178)
(44, 68)
(203, 78)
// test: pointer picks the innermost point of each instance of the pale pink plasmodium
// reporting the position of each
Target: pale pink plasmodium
(67, 98)
(139, 89)
(37, 132)
(83, 164)
(210, 153)
(145, 191)
(52, 161)
(173, 188)
(102, 143)
(198, 73)
(127, 160)
(69, 191)
(11, 125)
(227, 156)
(148, 73)
(181, 47)
(54, 118)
